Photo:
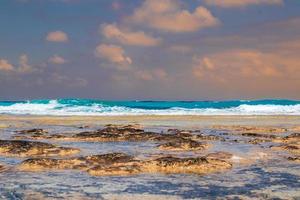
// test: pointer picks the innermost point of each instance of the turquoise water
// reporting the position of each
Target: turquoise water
(98, 107)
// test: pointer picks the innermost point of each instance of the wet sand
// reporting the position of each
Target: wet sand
(182, 157)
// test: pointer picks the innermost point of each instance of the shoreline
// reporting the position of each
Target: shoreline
(168, 120)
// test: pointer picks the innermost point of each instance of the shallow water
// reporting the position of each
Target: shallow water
(265, 175)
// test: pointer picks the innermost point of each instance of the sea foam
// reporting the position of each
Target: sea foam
(101, 108)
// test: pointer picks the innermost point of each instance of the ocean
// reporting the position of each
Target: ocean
(67, 107)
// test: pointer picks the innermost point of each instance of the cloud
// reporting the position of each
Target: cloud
(150, 75)
(57, 60)
(6, 66)
(114, 54)
(241, 3)
(57, 36)
(127, 37)
(24, 67)
(170, 16)
(241, 63)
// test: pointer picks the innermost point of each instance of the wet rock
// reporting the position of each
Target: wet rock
(252, 129)
(29, 148)
(2, 168)
(80, 163)
(113, 133)
(199, 165)
(220, 155)
(183, 145)
(260, 135)
(294, 159)
(108, 134)
(209, 137)
(290, 147)
(83, 126)
(115, 170)
(258, 141)
(294, 137)
(33, 132)
(123, 164)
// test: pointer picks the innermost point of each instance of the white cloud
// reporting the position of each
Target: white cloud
(57, 36)
(114, 54)
(57, 60)
(127, 37)
(170, 16)
(241, 3)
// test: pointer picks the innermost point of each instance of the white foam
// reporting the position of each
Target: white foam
(55, 108)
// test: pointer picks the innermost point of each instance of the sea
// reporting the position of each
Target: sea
(92, 107)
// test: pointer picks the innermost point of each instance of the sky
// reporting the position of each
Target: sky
(150, 49)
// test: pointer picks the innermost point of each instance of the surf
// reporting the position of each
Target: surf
(88, 107)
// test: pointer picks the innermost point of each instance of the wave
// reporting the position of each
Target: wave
(70, 107)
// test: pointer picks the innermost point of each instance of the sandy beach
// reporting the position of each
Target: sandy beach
(252, 157)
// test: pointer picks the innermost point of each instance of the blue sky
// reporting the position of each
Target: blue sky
(149, 49)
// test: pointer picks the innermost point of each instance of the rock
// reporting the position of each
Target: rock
(294, 159)
(209, 137)
(123, 164)
(199, 165)
(183, 145)
(260, 135)
(80, 163)
(252, 129)
(29, 148)
(33, 132)
(294, 137)
(2, 168)
(290, 147)
(258, 141)
(119, 170)
(219, 155)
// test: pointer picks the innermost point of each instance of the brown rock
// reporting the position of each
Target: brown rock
(33, 131)
(290, 147)
(260, 135)
(28, 148)
(115, 170)
(199, 165)
(294, 159)
(81, 163)
(220, 155)
(183, 145)
(2, 168)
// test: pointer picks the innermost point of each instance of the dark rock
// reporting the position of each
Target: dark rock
(183, 145)
(29, 148)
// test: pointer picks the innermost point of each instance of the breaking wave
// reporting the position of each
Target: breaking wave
(68, 107)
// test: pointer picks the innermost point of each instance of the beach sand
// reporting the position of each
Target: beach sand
(244, 157)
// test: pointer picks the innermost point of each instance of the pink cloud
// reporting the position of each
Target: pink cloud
(127, 37)
(57, 36)
(170, 16)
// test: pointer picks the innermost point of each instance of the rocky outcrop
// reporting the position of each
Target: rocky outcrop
(123, 164)
(184, 145)
(28, 148)
(80, 163)
(198, 165)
